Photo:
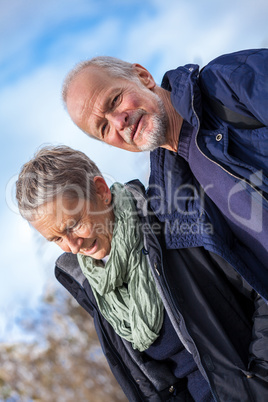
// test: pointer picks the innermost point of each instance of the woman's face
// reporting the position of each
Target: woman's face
(77, 225)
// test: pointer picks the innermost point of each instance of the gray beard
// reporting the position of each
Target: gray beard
(157, 137)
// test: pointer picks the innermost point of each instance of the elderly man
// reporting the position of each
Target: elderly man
(207, 133)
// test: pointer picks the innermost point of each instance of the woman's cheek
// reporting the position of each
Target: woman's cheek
(84, 232)
(64, 247)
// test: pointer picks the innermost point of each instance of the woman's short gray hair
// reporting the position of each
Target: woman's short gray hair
(55, 171)
(115, 67)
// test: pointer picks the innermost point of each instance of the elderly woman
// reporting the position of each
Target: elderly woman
(66, 199)
(149, 340)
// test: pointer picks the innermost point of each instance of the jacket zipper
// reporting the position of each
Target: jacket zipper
(175, 312)
(168, 296)
(160, 276)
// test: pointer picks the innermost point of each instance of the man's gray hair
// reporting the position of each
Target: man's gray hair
(115, 68)
(55, 171)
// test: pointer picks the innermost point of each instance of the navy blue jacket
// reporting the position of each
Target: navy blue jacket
(213, 191)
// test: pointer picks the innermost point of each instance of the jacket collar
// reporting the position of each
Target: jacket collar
(185, 92)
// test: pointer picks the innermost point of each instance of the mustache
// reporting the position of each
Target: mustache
(133, 122)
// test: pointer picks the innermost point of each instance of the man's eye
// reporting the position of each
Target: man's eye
(57, 240)
(103, 129)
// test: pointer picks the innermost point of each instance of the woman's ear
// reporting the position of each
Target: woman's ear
(144, 76)
(102, 190)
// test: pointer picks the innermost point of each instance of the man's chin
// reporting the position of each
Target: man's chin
(151, 144)
(147, 147)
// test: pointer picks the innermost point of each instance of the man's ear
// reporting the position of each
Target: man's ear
(144, 76)
(102, 190)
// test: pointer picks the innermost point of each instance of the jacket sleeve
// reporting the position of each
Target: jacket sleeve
(258, 358)
(240, 81)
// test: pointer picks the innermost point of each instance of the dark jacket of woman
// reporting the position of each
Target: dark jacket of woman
(218, 317)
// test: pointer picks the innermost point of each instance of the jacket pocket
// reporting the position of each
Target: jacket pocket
(242, 153)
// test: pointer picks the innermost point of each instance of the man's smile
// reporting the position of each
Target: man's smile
(136, 130)
(131, 133)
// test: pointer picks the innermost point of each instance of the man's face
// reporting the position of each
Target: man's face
(122, 113)
(76, 226)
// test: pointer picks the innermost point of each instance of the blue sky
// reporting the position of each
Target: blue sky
(40, 41)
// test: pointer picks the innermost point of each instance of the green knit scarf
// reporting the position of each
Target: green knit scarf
(124, 288)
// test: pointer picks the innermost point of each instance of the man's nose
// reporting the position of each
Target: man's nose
(74, 244)
(119, 120)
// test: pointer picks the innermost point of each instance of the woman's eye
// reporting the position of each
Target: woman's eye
(74, 228)
(115, 99)
(77, 227)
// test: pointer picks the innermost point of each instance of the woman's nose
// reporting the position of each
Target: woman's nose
(74, 244)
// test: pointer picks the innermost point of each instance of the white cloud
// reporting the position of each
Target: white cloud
(186, 32)
(24, 22)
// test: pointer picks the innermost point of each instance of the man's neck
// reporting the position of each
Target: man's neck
(174, 122)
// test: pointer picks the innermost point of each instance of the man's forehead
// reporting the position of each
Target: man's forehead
(90, 77)
(88, 90)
